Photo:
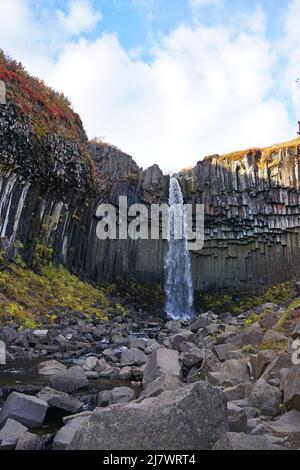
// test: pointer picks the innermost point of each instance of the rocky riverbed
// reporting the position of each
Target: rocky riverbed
(218, 381)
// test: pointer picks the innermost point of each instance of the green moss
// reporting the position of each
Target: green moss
(245, 300)
(26, 295)
(274, 345)
(252, 319)
(280, 326)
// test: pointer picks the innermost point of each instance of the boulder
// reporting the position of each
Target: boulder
(133, 357)
(40, 334)
(190, 355)
(226, 352)
(51, 368)
(201, 322)
(280, 361)
(229, 373)
(162, 361)
(242, 441)
(173, 326)
(273, 338)
(269, 319)
(266, 398)
(192, 417)
(182, 336)
(25, 409)
(29, 441)
(292, 388)
(161, 384)
(115, 396)
(60, 400)
(137, 343)
(237, 392)
(66, 434)
(125, 373)
(296, 332)
(287, 426)
(90, 363)
(237, 419)
(259, 362)
(69, 381)
(11, 433)
(2, 353)
(253, 335)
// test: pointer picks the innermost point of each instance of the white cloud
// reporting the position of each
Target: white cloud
(206, 90)
(290, 47)
(81, 17)
(202, 3)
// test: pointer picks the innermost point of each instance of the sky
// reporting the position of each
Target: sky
(166, 81)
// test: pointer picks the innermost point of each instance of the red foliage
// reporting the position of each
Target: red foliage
(50, 110)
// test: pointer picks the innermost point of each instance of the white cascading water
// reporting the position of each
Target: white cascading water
(179, 284)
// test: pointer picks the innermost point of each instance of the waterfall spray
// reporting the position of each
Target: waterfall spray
(179, 284)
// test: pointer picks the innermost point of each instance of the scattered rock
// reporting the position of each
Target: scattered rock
(115, 396)
(237, 419)
(125, 373)
(29, 441)
(60, 400)
(292, 388)
(260, 362)
(242, 441)
(161, 384)
(11, 433)
(25, 409)
(287, 426)
(133, 357)
(65, 435)
(190, 355)
(90, 363)
(229, 373)
(273, 338)
(70, 380)
(162, 361)
(51, 368)
(266, 398)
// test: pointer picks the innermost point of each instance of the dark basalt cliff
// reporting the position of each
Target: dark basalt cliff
(51, 185)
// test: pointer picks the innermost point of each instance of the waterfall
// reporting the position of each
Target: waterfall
(179, 284)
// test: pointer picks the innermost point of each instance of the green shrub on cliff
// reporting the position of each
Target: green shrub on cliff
(25, 295)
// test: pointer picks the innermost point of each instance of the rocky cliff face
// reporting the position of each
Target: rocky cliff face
(51, 184)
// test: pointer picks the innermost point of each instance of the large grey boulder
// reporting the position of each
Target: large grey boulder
(65, 435)
(11, 433)
(60, 400)
(241, 441)
(51, 367)
(292, 388)
(162, 361)
(2, 353)
(133, 357)
(69, 381)
(25, 409)
(192, 417)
